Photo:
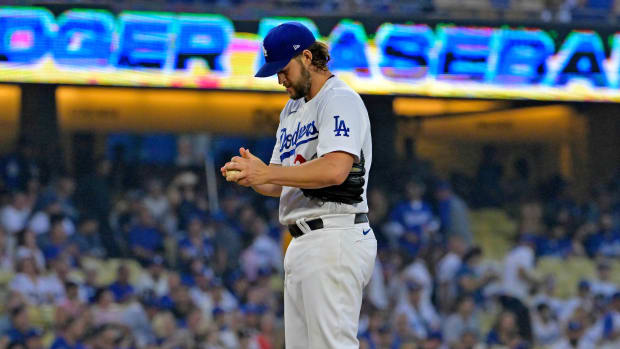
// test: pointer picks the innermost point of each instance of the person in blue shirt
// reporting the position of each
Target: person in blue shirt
(71, 332)
(606, 241)
(121, 288)
(145, 240)
(197, 243)
(20, 328)
(555, 244)
(412, 219)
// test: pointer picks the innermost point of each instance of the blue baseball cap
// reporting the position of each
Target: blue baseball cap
(281, 44)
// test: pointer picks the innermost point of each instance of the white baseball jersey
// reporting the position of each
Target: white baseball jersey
(334, 120)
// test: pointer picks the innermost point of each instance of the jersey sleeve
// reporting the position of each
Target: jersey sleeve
(343, 122)
(275, 154)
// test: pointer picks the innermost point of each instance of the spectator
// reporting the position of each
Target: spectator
(198, 244)
(547, 295)
(263, 252)
(557, 244)
(411, 221)
(19, 167)
(469, 340)
(87, 238)
(470, 279)
(40, 222)
(447, 269)
(34, 340)
(453, 214)
(121, 288)
(421, 314)
(28, 282)
(105, 310)
(145, 239)
(606, 242)
(21, 327)
(518, 275)
(584, 300)
(71, 305)
(465, 319)
(155, 201)
(505, 332)
(55, 281)
(71, 332)
(573, 337)
(546, 327)
(61, 192)
(14, 216)
(603, 285)
(154, 279)
(56, 243)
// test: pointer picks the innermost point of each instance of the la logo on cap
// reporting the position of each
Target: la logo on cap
(264, 51)
(295, 47)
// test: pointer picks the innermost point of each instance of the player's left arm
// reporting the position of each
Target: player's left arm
(330, 169)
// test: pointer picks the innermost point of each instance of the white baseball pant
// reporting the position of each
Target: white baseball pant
(326, 271)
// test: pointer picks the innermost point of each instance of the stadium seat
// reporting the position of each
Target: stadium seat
(493, 231)
(567, 272)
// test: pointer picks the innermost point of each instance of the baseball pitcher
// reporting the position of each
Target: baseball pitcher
(319, 170)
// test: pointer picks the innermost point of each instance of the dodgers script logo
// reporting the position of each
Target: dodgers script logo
(303, 134)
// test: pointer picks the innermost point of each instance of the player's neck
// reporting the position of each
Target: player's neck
(318, 80)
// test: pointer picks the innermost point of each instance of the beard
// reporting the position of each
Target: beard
(302, 87)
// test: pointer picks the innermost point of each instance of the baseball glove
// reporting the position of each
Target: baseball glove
(349, 192)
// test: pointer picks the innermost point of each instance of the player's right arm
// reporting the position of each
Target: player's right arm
(272, 190)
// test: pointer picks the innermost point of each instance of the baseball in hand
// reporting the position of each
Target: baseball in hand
(232, 175)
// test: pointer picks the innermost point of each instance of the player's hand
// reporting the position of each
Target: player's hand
(253, 170)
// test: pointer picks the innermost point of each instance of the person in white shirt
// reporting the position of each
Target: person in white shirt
(27, 246)
(603, 285)
(447, 268)
(155, 201)
(518, 275)
(263, 253)
(547, 295)
(605, 333)
(29, 282)
(463, 320)
(584, 300)
(40, 222)
(418, 271)
(420, 313)
(13, 217)
(546, 327)
(154, 278)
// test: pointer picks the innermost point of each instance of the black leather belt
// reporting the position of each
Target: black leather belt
(317, 223)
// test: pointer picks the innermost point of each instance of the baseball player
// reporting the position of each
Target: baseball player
(319, 169)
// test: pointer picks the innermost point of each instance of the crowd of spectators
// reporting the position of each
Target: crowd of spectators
(545, 10)
(186, 276)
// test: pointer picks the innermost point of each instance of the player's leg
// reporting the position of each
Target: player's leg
(332, 292)
(295, 329)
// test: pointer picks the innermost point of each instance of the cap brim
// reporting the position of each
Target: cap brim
(271, 68)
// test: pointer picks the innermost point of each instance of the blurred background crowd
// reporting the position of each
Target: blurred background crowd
(547, 10)
(132, 256)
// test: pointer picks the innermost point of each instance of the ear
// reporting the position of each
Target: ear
(307, 57)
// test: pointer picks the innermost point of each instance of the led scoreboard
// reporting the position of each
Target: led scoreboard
(94, 47)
